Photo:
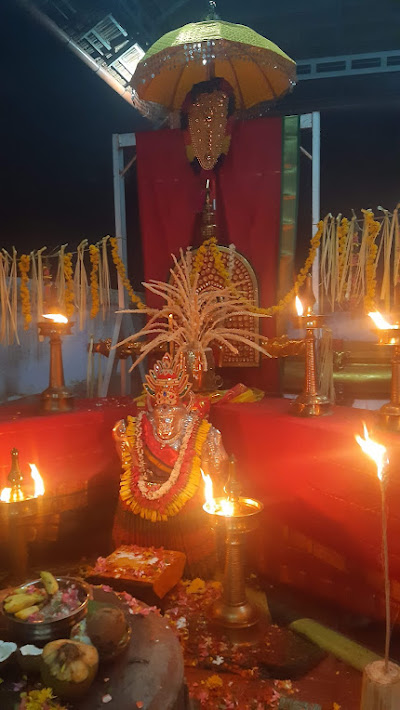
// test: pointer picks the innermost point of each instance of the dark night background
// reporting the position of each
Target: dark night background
(57, 119)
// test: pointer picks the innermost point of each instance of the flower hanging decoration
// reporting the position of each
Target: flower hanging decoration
(372, 229)
(353, 253)
(342, 232)
(198, 321)
(94, 253)
(69, 285)
(207, 121)
(119, 265)
(24, 266)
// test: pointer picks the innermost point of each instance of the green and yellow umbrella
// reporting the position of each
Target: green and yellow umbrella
(256, 68)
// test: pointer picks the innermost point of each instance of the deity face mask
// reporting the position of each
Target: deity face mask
(168, 420)
(206, 119)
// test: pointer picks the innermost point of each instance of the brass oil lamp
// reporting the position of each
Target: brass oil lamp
(389, 334)
(18, 503)
(310, 403)
(56, 397)
(237, 516)
(17, 491)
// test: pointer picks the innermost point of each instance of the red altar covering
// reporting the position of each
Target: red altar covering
(71, 450)
(321, 528)
(248, 197)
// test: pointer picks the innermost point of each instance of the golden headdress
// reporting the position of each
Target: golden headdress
(167, 383)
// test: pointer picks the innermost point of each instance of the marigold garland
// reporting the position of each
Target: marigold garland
(69, 285)
(94, 255)
(301, 277)
(179, 499)
(346, 256)
(119, 265)
(220, 268)
(24, 266)
(342, 232)
(211, 245)
(373, 228)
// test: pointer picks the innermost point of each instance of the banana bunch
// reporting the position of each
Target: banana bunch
(23, 604)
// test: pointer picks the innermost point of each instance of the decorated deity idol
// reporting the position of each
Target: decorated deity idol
(163, 450)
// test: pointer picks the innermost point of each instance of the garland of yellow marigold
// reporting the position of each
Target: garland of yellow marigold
(301, 276)
(119, 265)
(94, 255)
(211, 245)
(342, 232)
(373, 228)
(286, 300)
(179, 500)
(24, 266)
(69, 285)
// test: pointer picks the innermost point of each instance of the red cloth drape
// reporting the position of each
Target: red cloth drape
(248, 204)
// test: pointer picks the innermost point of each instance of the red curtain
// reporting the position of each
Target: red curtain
(248, 189)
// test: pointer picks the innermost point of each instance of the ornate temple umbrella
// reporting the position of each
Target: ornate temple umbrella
(257, 70)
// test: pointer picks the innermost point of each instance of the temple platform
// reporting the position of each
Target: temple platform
(321, 524)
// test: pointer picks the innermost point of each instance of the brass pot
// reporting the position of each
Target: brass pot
(203, 380)
(41, 632)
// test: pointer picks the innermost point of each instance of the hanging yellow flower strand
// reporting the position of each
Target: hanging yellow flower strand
(373, 228)
(69, 285)
(94, 255)
(24, 266)
(301, 277)
(119, 265)
(342, 232)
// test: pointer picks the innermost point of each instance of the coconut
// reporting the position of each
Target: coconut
(69, 667)
(29, 658)
(108, 630)
(7, 651)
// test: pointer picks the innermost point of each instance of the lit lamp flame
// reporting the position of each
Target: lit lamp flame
(299, 307)
(224, 507)
(208, 493)
(5, 495)
(377, 452)
(380, 322)
(37, 480)
(55, 317)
